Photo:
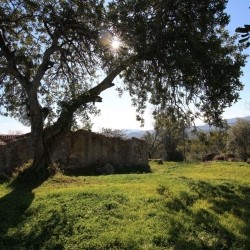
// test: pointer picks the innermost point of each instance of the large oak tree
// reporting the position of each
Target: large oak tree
(170, 53)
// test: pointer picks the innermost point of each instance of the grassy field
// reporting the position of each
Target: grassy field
(177, 206)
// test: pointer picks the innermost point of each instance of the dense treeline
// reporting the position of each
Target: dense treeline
(175, 141)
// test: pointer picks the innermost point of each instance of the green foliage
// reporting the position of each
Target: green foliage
(192, 37)
(201, 143)
(49, 44)
(168, 140)
(239, 139)
(179, 52)
(178, 206)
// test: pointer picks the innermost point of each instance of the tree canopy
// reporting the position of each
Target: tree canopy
(170, 53)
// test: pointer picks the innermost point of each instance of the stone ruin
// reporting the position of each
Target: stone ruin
(82, 151)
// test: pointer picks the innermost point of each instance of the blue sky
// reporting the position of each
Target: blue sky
(118, 112)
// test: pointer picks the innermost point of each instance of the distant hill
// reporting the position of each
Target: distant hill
(136, 133)
(139, 133)
(230, 122)
(234, 120)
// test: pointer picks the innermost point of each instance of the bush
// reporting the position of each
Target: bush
(239, 139)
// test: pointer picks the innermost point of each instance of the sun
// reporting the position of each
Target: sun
(116, 43)
(111, 42)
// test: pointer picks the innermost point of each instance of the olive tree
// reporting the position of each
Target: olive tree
(170, 53)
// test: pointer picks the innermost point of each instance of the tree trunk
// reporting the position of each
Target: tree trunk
(39, 171)
(41, 153)
(42, 139)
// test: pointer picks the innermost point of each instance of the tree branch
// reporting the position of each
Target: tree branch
(45, 65)
(64, 121)
(11, 66)
(105, 84)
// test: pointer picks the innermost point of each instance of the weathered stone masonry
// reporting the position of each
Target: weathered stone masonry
(79, 150)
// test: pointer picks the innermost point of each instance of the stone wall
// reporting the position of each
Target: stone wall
(79, 150)
(14, 154)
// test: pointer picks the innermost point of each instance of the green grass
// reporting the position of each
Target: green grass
(177, 206)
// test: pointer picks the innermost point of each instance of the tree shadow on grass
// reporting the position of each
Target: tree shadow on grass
(228, 200)
(12, 211)
(19, 229)
(12, 208)
(203, 228)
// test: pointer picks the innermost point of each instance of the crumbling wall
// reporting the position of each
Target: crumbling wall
(15, 153)
(79, 150)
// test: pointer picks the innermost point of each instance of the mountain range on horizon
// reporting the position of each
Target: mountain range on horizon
(204, 127)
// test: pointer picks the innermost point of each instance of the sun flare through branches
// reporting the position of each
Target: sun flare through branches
(116, 44)
(111, 42)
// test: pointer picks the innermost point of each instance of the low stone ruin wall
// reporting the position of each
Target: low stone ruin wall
(15, 153)
(81, 150)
